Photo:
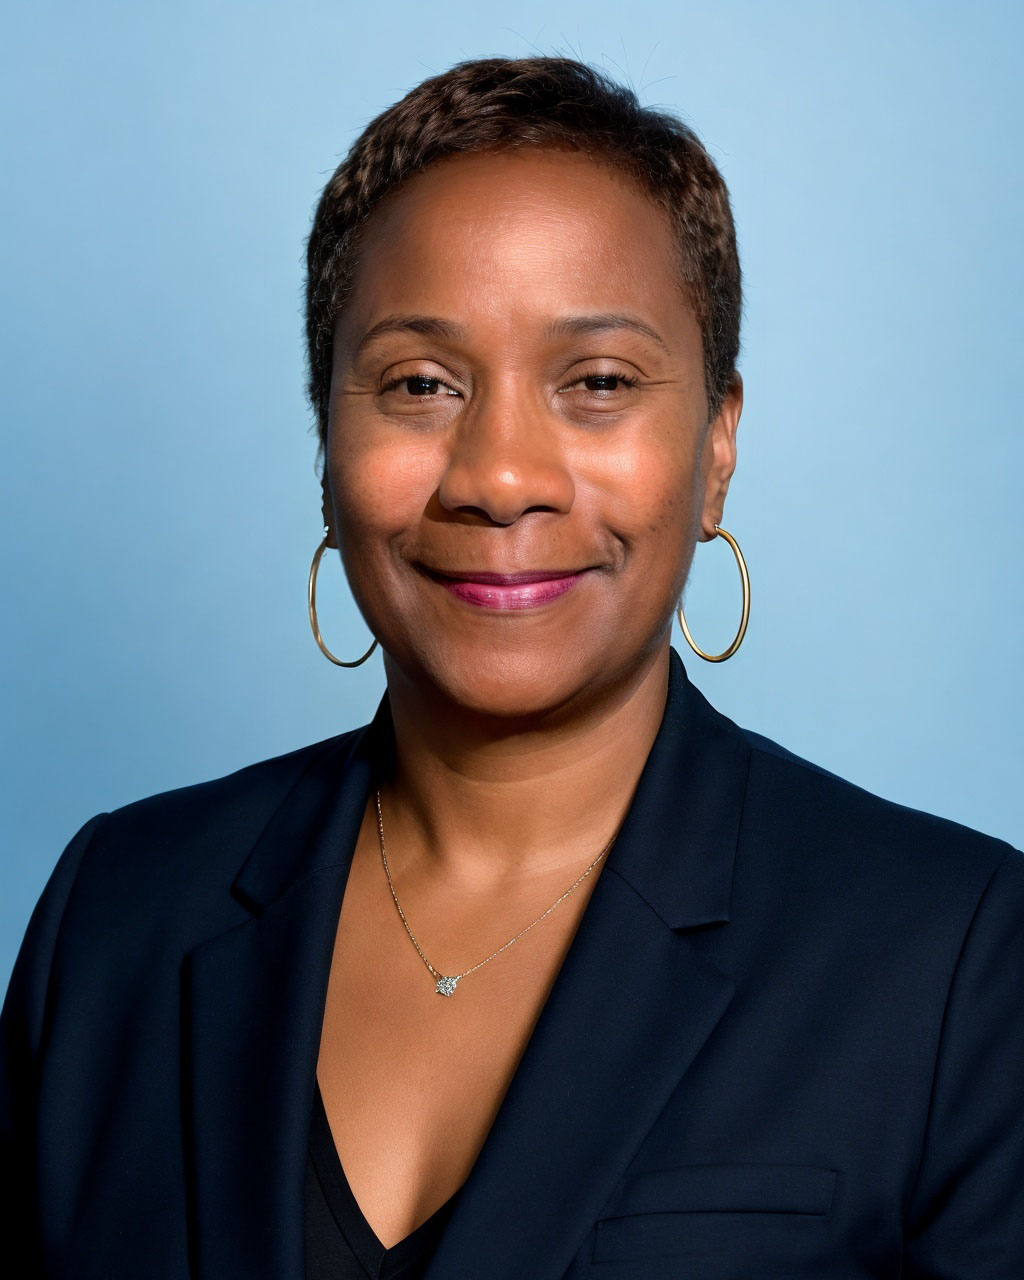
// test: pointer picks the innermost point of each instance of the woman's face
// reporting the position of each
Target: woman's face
(518, 388)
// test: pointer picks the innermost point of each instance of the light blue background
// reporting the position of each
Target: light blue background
(160, 503)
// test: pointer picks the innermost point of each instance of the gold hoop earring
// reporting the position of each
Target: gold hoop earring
(745, 578)
(313, 569)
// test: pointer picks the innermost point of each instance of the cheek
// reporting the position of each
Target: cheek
(650, 486)
(380, 491)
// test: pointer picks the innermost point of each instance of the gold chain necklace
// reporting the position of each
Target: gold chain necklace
(446, 982)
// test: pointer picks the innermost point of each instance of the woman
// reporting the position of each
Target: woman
(706, 1009)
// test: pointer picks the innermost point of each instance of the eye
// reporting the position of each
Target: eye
(603, 385)
(420, 386)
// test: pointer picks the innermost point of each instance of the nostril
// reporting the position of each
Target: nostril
(482, 515)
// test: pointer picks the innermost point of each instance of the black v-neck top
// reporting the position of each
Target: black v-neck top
(340, 1243)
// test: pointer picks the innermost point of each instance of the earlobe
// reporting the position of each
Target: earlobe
(328, 515)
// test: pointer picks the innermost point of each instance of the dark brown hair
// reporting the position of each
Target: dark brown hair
(496, 103)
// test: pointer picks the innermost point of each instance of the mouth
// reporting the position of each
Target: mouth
(521, 590)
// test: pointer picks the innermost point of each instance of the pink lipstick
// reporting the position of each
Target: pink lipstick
(510, 590)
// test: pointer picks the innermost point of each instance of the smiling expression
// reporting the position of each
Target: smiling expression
(518, 458)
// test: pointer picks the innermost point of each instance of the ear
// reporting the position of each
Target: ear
(327, 508)
(719, 458)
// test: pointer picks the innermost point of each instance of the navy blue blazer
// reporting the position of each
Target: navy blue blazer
(787, 1039)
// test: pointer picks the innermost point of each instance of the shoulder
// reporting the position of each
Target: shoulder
(858, 845)
(146, 880)
(185, 844)
(247, 796)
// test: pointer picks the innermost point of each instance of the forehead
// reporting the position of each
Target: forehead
(507, 239)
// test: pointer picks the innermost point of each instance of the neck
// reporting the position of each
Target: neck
(485, 804)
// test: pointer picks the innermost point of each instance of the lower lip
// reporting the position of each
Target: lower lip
(519, 595)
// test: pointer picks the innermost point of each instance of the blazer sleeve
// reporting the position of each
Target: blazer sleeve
(965, 1218)
(22, 1035)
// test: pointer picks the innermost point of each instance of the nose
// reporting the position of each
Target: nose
(505, 458)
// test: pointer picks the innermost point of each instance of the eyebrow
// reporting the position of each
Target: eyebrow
(602, 322)
(565, 326)
(429, 326)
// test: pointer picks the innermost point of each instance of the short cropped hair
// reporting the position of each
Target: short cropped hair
(492, 104)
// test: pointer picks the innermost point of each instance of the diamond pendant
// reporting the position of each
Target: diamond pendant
(446, 986)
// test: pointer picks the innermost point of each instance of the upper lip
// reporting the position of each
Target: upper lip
(490, 578)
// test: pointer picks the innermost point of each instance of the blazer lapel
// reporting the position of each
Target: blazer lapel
(253, 1008)
(631, 1008)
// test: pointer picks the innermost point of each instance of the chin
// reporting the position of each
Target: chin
(505, 683)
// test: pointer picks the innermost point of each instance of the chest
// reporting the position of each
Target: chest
(412, 1080)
